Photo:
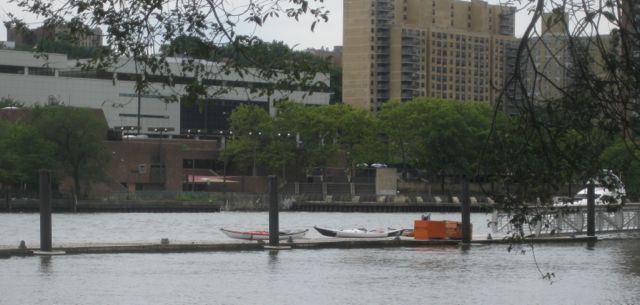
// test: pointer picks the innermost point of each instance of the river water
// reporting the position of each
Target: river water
(605, 273)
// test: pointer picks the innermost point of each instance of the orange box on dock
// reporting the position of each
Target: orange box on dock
(454, 229)
(420, 230)
(429, 229)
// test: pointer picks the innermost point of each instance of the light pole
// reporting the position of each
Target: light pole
(258, 135)
(162, 131)
(284, 137)
(224, 165)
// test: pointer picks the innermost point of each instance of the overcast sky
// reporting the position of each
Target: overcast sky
(293, 33)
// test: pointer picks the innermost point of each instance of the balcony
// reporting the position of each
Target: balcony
(382, 51)
(382, 78)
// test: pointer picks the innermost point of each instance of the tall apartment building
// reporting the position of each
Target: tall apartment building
(630, 27)
(401, 49)
(630, 41)
(549, 61)
(555, 60)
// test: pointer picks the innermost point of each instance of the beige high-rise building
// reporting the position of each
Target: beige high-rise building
(557, 60)
(401, 49)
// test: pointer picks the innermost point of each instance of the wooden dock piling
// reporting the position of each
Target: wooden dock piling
(45, 210)
(274, 239)
(466, 212)
(591, 209)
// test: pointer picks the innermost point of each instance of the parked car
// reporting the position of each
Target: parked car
(608, 189)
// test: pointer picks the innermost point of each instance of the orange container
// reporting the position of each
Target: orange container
(420, 230)
(429, 229)
(454, 229)
(437, 229)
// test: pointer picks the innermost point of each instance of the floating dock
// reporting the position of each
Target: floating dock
(165, 246)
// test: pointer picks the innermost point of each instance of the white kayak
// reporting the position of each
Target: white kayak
(359, 232)
(264, 235)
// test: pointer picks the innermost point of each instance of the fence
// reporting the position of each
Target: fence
(163, 195)
(573, 221)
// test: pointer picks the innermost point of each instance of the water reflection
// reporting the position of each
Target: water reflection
(487, 274)
(438, 249)
(273, 260)
(45, 265)
(631, 256)
(591, 245)
(464, 247)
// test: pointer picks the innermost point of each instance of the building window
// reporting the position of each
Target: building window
(41, 71)
(11, 69)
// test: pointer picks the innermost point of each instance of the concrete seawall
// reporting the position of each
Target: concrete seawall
(96, 206)
(250, 202)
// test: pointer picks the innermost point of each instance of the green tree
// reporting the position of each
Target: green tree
(191, 47)
(619, 159)
(335, 74)
(355, 134)
(400, 124)
(558, 136)
(314, 129)
(437, 136)
(76, 136)
(453, 136)
(309, 137)
(251, 126)
(24, 152)
(305, 125)
(544, 150)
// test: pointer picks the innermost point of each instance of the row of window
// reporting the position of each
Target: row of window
(478, 79)
(202, 164)
(460, 97)
(6, 69)
(482, 46)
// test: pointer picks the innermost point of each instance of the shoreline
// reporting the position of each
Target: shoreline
(246, 204)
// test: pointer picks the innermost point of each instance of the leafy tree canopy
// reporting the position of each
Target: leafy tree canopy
(60, 46)
(24, 152)
(309, 136)
(619, 159)
(590, 75)
(76, 137)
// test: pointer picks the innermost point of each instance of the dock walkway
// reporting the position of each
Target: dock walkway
(573, 220)
(320, 243)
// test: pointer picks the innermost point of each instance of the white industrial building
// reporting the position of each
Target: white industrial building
(41, 80)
